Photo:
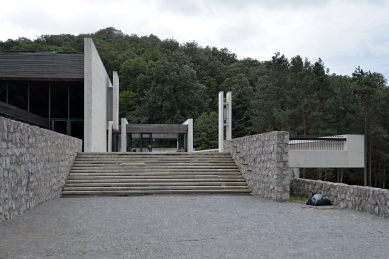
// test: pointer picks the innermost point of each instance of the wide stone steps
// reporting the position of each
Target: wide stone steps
(151, 177)
(150, 184)
(159, 168)
(140, 192)
(151, 173)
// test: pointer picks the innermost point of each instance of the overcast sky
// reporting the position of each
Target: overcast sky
(343, 33)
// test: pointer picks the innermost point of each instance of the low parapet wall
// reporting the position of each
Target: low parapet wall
(351, 197)
(263, 162)
(34, 165)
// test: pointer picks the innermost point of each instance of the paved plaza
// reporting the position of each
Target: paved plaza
(191, 226)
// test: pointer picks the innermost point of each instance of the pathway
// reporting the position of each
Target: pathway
(191, 226)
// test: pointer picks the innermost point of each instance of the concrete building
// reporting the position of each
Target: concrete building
(344, 151)
(71, 93)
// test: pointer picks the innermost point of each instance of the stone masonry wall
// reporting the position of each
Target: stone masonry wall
(263, 160)
(351, 197)
(34, 165)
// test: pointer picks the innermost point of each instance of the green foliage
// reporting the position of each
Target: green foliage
(129, 71)
(242, 94)
(127, 105)
(270, 97)
(174, 93)
(206, 131)
(163, 81)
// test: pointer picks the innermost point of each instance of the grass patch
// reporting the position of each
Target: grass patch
(297, 198)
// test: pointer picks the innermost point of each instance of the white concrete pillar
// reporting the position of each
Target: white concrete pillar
(229, 116)
(110, 123)
(88, 95)
(295, 173)
(123, 140)
(115, 101)
(221, 121)
(189, 137)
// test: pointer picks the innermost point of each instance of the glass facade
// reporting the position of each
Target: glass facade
(3, 91)
(59, 98)
(59, 101)
(39, 98)
(18, 94)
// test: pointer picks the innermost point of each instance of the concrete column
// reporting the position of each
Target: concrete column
(124, 135)
(115, 101)
(110, 123)
(295, 173)
(87, 95)
(221, 120)
(229, 116)
(189, 138)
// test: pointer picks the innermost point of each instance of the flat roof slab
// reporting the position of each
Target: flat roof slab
(157, 128)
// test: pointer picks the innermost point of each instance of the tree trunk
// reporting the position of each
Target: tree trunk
(375, 174)
(341, 176)
(337, 175)
(319, 174)
(370, 184)
(305, 134)
(325, 175)
(383, 180)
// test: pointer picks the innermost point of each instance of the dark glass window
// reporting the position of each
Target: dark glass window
(39, 98)
(60, 127)
(76, 100)
(59, 100)
(77, 129)
(18, 94)
(3, 91)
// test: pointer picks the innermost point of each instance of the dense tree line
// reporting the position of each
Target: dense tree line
(164, 81)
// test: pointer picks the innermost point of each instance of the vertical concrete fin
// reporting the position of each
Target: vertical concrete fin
(189, 138)
(124, 122)
(221, 120)
(110, 123)
(229, 116)
(87, 94)
(115, 101)
(96, 85)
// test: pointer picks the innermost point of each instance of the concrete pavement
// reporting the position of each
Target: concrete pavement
(191, 226)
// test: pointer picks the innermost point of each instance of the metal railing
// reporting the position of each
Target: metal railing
(317, 143)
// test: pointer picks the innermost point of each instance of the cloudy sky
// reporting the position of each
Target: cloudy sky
(343, 33)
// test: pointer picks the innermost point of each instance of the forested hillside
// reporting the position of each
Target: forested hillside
(164, 81)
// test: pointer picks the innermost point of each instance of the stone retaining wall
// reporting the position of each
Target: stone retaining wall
(34, 165)
(263, 161)
(351, 197)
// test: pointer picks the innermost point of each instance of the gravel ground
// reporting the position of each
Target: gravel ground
(191, 226)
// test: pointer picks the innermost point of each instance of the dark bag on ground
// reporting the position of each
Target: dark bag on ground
(318, 200)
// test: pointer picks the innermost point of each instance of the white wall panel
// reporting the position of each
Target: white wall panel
(96, 83)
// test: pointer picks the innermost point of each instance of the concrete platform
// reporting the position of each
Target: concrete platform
(191, 226)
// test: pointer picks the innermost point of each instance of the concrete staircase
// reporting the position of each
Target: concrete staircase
(154, 173)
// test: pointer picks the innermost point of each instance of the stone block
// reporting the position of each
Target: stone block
(370, 200)
(266, 155)
(33, 166)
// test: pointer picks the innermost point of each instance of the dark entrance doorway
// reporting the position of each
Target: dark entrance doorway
(146, 142)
